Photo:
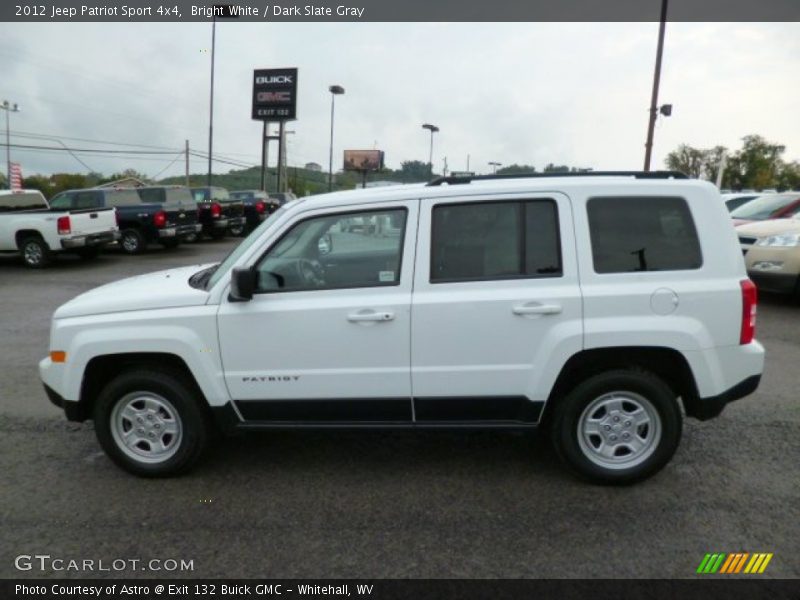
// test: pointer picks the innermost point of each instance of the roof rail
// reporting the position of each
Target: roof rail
(636, 174)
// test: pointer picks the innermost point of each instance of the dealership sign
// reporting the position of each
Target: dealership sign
(275, 94)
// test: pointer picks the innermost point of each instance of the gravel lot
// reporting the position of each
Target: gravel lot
(400, 504)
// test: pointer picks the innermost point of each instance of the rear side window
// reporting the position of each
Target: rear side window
(495, 240)
(151, 195)
(642, 234)
(87, 199)
(127, 197)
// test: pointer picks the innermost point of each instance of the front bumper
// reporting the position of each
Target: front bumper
(780, 283)
(93, 239)
(73, 410)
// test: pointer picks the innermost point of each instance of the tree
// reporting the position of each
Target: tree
(756, 165)
(516, 169)
(414, 171)
(38, 182)
(688, 160)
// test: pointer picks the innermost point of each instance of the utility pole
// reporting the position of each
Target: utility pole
(648, 146)
(9, 108)
(187, 163)
(444, 169)
(281, 139)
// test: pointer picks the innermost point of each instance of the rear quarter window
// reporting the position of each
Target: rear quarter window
(631, 234)
(127, 197)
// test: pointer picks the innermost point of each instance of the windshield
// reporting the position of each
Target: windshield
(231, 259)
(763, 207)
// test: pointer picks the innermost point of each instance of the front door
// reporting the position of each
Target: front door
(326, 337)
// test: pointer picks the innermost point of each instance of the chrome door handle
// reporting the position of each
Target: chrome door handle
(534, 308)
(370, 315)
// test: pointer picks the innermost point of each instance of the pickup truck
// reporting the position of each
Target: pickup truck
(218, 212)
(153, 214)
(30, 227)
(257, 206)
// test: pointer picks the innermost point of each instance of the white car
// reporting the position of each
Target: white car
(29, 227)
(593, 306)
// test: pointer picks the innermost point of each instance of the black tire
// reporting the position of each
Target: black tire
(132, 241)
(191, 238)
(170, 243)
(161, 385)
(89, 253)
(35, 252)
(633, 387)
(237, 230)
(217, 234)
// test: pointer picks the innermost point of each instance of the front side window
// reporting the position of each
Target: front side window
(350, 250)
(495, 240)
(642, 234)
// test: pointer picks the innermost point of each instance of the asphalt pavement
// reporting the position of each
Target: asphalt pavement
(396, 504)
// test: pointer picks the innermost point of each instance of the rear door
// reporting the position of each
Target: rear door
(496, 305)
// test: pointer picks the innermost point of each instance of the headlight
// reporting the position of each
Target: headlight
(785, 240)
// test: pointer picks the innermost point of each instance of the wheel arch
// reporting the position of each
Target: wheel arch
(102, 369)
(23, 234)
(667, 363)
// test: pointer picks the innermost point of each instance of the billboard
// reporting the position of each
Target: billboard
(275, 94)
(363, 160)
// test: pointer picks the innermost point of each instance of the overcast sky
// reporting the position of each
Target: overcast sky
(534, 93)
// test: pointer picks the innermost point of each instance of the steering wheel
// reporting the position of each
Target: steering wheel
(311, 272)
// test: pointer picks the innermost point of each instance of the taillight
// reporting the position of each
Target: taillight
(160, 219)
(216, 210)
(260, 207)
(64, 226)
(749, 306)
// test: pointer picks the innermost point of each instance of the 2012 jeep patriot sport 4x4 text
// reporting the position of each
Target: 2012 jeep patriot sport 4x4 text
(601, 307)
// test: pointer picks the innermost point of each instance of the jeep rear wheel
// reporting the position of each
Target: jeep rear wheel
(618, 427)
(150, 423)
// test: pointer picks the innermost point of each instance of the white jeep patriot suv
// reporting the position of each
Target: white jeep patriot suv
(602, 307)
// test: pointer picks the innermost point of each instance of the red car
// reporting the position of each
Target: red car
(769, 206)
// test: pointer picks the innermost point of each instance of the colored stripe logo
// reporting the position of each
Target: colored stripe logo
(734, 563)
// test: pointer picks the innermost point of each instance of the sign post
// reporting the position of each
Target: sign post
(274, 100)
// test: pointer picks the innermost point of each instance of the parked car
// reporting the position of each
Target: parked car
(282, 197)
(767, 206)
(772, 254)
(735, 200)
(257, 206)
(219, 213)
(162, 215)
(600, 308)
(30, 227)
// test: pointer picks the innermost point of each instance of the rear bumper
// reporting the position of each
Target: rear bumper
(94, 239)
(708, 408)
(236, 221)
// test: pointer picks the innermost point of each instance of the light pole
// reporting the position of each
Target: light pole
(651, 125)
(334, 90)
(433, 129)
(494, 166)
(211, 95)
(9, 108)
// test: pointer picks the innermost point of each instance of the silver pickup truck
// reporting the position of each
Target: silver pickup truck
(29, 227)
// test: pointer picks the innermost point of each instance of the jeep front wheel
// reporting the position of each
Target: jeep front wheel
(150, 424)
(618, 427)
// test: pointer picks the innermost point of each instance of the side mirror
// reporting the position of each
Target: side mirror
(325, 244)
(243, 284)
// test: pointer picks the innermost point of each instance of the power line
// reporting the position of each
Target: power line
(94, 150)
